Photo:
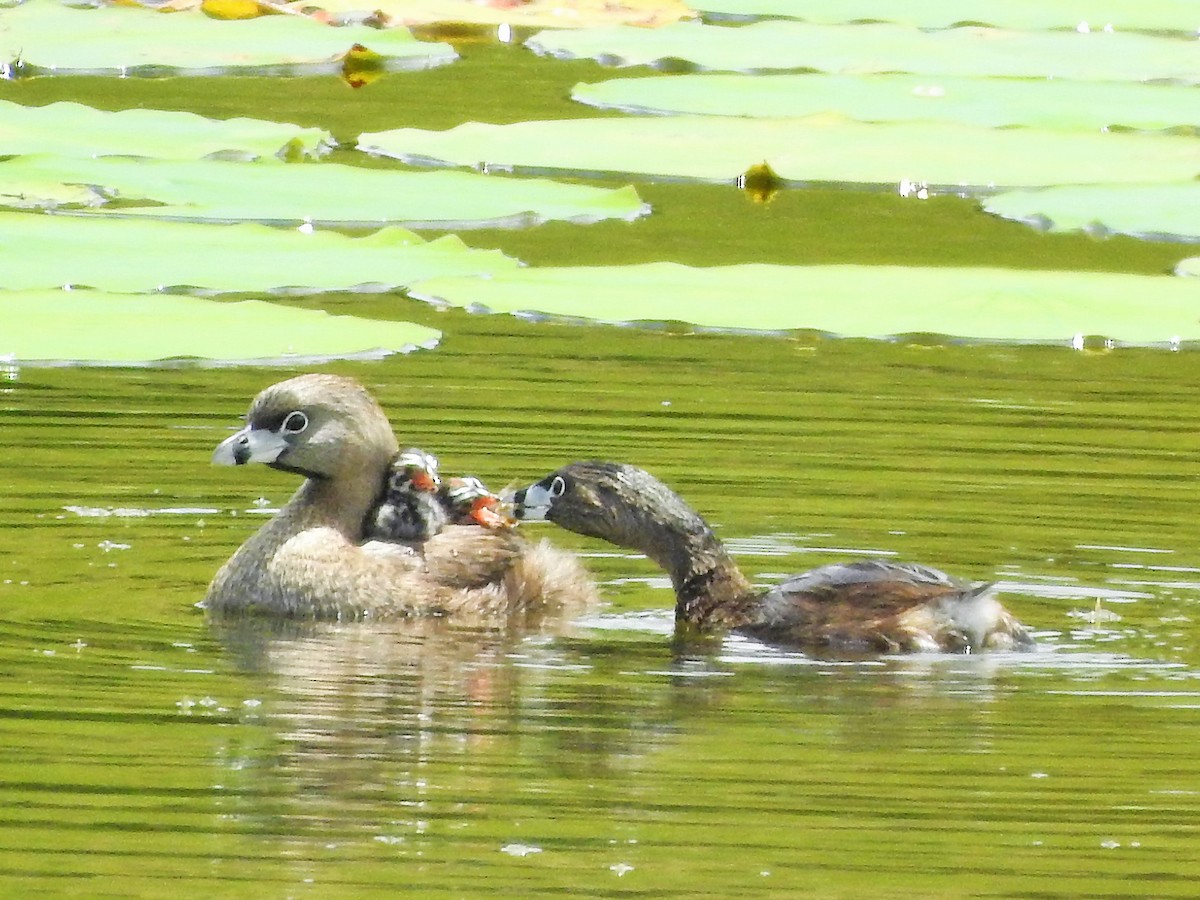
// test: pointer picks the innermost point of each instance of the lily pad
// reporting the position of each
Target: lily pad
(1149, 15)
(988, 102)
(49, 38)
(817, 149)
(852, 301)
(527, 13)
(877, 48)
(151, 132)
(93, 327)
(324, 193)
(129, 255)
(1157, 211)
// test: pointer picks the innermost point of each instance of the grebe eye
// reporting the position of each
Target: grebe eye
(558, 487)
(295, 422)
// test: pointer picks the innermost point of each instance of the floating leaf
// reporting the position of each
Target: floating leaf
(1148, 15)
(33, 191)
(150, 132)
(1157, 211)
(100, 328)
(989, 102)
(865, 49)
(853, 301)
(126, 255)
(524, 13)
(817, 149)
(52, 38)
(325, 193)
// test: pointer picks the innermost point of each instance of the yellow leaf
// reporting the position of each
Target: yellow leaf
(233, 9)
(362, 66)
(760, 183)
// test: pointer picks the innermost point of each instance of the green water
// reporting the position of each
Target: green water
(144, 753)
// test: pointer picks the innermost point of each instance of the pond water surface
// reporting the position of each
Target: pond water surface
(145, 752)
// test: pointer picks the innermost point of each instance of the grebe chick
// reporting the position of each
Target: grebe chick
(411, 508)
(468, 501)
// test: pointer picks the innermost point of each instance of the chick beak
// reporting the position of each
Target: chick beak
(486, 512)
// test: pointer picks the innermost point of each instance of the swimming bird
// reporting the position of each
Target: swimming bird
(311, 559)
(858, 607)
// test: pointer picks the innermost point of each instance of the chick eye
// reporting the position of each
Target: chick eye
(558, 487)
(295, 423)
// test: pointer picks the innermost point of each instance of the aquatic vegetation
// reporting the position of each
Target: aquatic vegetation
(988, 102)
(124, 329)
(1151, 15)
(527, 13)
(156, 133)
(1153, 211)
(813, 149)
(968, 109)
(50, 251)
(875, 48)
(329, 193)
(45, 36)
(850, 301)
